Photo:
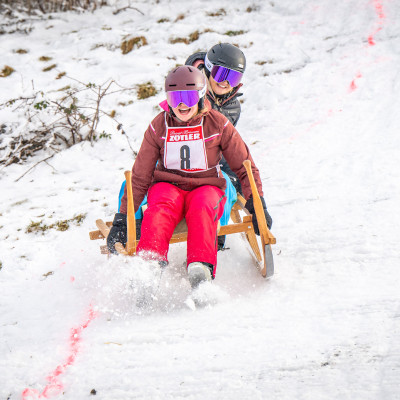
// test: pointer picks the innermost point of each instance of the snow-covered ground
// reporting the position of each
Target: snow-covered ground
(321, 117)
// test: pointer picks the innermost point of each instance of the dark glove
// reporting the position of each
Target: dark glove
(250, 207)
(118, 232)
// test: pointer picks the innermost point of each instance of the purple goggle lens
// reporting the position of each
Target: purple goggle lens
(221, 74)
(187, 97)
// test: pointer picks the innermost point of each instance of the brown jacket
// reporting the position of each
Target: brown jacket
(223, 138)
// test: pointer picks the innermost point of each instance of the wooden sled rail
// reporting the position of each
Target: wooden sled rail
(241, 225)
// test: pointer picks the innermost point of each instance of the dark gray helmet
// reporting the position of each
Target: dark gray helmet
(226, 55)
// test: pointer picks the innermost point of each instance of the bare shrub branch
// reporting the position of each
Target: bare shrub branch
(57, 120)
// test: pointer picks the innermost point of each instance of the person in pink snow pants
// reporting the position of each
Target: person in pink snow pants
(178, 167)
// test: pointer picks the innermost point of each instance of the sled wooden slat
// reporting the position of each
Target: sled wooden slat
(130, 218)
(94, 235)
(180, 234)
(252, 239)
(241, 204)
(105, 230)
(265, 236)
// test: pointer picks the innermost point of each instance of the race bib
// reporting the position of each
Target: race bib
(185, 149)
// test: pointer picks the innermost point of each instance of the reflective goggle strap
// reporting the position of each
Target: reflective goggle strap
(203, 91)
(208, 63)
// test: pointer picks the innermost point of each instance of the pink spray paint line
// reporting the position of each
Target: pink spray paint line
(353, 85)
(381, 17)
(54, 386)
(371, 41)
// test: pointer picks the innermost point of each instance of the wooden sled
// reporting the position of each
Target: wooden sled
(264, 258)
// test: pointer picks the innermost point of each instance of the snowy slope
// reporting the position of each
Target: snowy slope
(320, 114)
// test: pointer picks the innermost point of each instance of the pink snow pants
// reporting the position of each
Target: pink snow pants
(167, 205)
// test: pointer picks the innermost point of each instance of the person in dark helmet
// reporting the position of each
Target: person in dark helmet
(223, 65)
(177, 166)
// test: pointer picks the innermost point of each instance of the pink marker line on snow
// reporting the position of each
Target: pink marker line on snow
(353, 85)
(54, 386)
(381, 17)
(371, 41)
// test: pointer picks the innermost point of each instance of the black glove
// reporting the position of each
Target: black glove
(250, 207)
(118, 232)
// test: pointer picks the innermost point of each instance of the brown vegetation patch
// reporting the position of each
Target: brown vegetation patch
(49, 68)
(146, 90)
(234, 33)
(63, 225)
(63, 89)
(45, 58)
(125, 103)
(60, 75)
(191, 38)
(128, 45)
(6, 71)
(252, 8)
(48, 6)
(218, 13)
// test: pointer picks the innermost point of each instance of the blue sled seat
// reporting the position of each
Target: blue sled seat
(230, 193)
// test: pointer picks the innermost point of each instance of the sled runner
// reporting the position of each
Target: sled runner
(264, 259)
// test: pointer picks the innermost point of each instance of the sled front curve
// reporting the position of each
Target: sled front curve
(264, 258)
(265, 235)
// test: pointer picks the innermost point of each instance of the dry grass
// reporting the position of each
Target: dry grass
(36, 227)
(48, 6)
(128, 45)
(146, 90)
(60, 75)
(191, 38)
(49, 68)
(234, 33)
(6, 71)
(252, 8)
(218, 13)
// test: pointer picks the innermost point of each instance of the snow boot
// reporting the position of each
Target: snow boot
(221, 242)
(199, 272)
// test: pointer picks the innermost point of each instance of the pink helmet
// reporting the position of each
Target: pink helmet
(185, 84)
(185, 77)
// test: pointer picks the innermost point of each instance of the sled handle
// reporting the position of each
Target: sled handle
(258, 207)
(131, 221)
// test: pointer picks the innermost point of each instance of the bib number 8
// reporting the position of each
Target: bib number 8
(185, 157)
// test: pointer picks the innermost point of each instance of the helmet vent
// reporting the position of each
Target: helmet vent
(190, 84)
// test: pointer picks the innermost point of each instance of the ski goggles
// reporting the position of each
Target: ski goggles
(221, 74)
(188, 97)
